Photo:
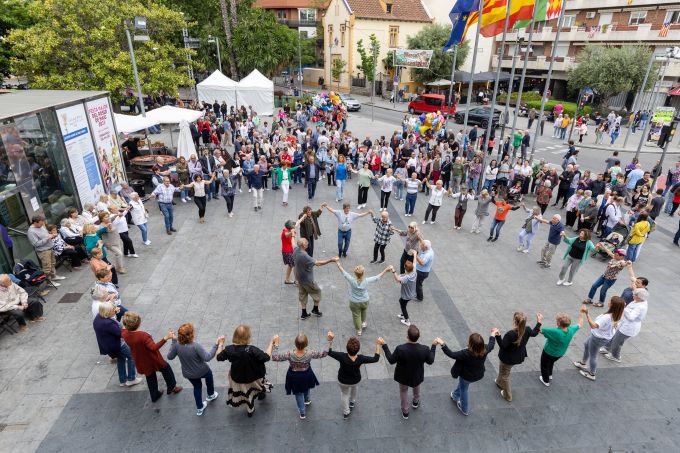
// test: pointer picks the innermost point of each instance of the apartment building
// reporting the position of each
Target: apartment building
(612, 22)
(303, 15)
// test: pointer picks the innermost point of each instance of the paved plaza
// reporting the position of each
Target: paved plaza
(58, 394)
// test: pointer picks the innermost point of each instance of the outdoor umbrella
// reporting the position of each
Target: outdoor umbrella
(185, 143)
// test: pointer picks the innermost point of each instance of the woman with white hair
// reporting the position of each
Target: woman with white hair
(358, 295)
(140, 216)
(482, 210)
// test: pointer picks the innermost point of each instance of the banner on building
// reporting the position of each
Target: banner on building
(412, 58)
(108, 153)
(81, 152)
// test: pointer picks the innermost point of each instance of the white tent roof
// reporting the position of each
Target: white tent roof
(173, 115)
(217, 80)
(255, 80)
(131, 123)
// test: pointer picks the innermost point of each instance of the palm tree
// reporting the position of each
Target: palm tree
(229, 23)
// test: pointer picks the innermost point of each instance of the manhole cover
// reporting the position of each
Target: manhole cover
(70, 298)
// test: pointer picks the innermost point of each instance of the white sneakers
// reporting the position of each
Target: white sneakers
(58, 277)
(424, 222)
(525, 251)
(147, 242)
(520, 248)
(559, 282)
(135, 381)
(567, 284)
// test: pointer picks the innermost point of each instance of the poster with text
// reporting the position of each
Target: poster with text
(81, 152)
(108, 153)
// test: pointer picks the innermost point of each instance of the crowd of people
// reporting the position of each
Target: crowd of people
(616, 202)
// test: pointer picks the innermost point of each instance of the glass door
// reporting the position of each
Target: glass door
(14, 219)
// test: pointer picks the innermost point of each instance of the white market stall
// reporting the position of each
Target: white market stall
(257, 91)
(173, 115)
(217, 87)
(128, 124)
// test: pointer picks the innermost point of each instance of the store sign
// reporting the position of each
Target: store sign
(108, 153)
(81, 152)
(412, 58)
(663, 115)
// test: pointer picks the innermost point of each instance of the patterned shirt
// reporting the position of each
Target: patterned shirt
(164, 193)
(298, 363)
(613, 269)
(383, 231)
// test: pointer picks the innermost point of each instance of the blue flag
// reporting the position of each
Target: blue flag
(460, 15)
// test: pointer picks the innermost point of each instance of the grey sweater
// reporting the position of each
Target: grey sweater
(39, 238)
(192, 357)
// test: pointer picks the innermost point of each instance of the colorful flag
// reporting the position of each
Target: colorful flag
(664, 30)
(547, 10)
(460, 20)
(494, 12)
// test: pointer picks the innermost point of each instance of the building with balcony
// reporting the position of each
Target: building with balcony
(612, 22)
(303, 15)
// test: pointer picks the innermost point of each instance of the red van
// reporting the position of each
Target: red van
(430, 103)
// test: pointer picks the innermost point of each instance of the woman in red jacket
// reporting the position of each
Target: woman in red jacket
(147, 357)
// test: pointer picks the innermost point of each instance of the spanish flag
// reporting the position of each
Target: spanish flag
(494, 12)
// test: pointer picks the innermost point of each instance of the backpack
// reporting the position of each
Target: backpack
(29, 274)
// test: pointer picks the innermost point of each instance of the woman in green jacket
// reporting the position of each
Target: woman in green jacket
(284, 175)
(578, 249)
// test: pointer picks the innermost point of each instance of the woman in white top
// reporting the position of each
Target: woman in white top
(140, 216)
(199, 193)
(601, 332)
(103, 203)
(631, 323)
(119, 221)
(436, 197)
(490, 174)
(386, 183)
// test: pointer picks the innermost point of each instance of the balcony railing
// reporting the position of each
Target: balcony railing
(610, 33)
(295, 23)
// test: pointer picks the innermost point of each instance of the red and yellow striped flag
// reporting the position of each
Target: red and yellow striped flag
(493, 15)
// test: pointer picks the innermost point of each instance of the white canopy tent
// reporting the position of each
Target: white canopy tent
(257, 91)
(217, 87)
(173, 115)
(128, 124)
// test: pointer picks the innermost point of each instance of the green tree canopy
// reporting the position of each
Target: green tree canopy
(433, 37)
(13, 14)
(366, 55)
(81, 45)
(610, 70)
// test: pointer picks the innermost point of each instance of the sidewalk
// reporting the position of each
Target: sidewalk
(646, 149)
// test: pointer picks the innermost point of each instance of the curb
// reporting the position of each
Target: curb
(656, 149)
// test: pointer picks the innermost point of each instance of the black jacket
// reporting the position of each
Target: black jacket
(318, 172)
(247, 362)
(204, 163)
(410, 359)
(511, 354)
(466, 365)
(309, 228)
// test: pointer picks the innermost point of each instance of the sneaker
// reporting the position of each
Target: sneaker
(241, 191)
(608, 356)
(567, 284)
(364, 325)
(345, 416)
(147, 243)
(359, 332)
(547, 384)
(58, 277)
(431, 222)
(589, 301)
(453, 397)
(525, 251)
(400, 316)
(199, 412)
(494, 239)
(540, 262)
(351, 405)
(304, 316)
(135, 381)
(460, 408)
(580, 365)
(56, 284)
(603, 350)
(406, 322)
(134, 255)
(317, 313)
(587, 374)
(231, 214)
(415, 404)
(520, 248)
(489, 239)
(424, 222)
(559, 282)
(188, 198)
(184, 200)
(212, 397)
(404, 415)
(122, 384)
(302, 416)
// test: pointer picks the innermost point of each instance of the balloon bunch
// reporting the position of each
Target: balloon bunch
(429, 123)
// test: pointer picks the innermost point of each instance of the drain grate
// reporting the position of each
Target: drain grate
(70, 298)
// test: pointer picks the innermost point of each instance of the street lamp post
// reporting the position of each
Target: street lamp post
(453, 70)
(506, 111)
(373, 47)
(139, 24)
(216, 41)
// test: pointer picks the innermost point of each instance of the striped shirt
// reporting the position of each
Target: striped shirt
(412, 185)
(383, 231)
(165, 193)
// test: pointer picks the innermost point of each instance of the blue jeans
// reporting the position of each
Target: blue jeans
(126, 365)
(461, 393)
(339, 185)
(472, 183)
(496, 226)
(605, 283)
(632, 252)
(399, 192)
(343, 241)
(300, 399)
(311, 188)
(166, 209)
(145, 231)
(488, 184)
(411, 202)
(198, 388)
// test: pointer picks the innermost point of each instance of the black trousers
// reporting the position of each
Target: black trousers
(561, 194)
(200, 202)
(230, 202)
(433, 209)
(547, 363)
(310, 246)
(381, 248)
(114, 274)
(331, 178)
(363, 195)
(402, 304)
(128, 248)
(384, 199)
(152, 382)
(402, 262)
(420, 278)
(571, 218)
(73, 255)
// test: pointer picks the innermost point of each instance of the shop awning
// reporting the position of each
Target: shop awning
(128, 124)
(675, 91)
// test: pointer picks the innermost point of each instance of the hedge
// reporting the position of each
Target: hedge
(569, 107)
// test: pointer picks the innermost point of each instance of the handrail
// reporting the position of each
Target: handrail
(17, 231)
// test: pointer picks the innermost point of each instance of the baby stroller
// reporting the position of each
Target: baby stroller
(31, 278)
(614, 240)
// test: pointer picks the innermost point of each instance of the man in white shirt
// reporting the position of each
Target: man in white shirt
(345, 220)
(629, 326)
(614, 215)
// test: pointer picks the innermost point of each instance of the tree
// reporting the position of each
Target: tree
(13, 15)
(228, 19)
(434, 37)
(366, 55)
(337, 69)
(81, 45)
(610, 70)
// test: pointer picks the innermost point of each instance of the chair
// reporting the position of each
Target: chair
(8, 324)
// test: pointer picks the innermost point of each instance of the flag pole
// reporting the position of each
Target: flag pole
(524, 73)
(553, 55)
(490, 126)
(472, 69)
(453, 70)
(506, 111)
(639, 95)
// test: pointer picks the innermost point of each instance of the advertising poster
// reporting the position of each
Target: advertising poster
(412, 58)
(80, 151)
(108, 153)
(662, 117)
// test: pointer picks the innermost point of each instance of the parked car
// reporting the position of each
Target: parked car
(479, 116)
(352, 104)
(430, 103)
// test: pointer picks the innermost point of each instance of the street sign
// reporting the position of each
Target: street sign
(191, 43)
